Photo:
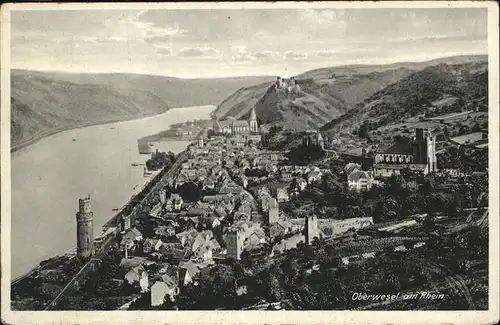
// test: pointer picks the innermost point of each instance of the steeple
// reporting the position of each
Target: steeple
(253, 121)
(253, 116)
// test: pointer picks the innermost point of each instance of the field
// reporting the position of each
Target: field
(468, 138)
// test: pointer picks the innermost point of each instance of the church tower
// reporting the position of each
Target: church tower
(254, 127)
(431, 152)
(85, 228)
(320, 142)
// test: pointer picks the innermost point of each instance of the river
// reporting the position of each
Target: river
(49, 176)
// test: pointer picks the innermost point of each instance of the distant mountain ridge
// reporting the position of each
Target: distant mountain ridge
(325, 94)
(43, 103)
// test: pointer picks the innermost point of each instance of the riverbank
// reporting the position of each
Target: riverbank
(27, 290)
(48, 133)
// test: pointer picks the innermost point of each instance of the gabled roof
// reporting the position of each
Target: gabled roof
(151, 242)
(215, 243)
(189, 266)
(169, 281)
(240, 123)
(402, 147)
(357, 175)
(273, 203)
(129, 263)
(413, 167)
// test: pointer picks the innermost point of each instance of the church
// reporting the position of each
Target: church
(234, 127)
(417, 155)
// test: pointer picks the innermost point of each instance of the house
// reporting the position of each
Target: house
(164, 231)
(165, 288)
(129, 263)
(186, 237)
(197, 212)
(216, 247)
(313, 176)
(282, 194)
(203, 253)
(209, 183)
(174, 202)
(279, 228)
(221, 212)
(350, 167)
(357, 259)
(286, 175)
(400, 248)
(151, 245)
(201, 239)
(187, 272)
(301, 183)
(359, 180)
(202, 173)
(156, 211)
(214, 221)
(180, 180)
(138, 275)
(257, 238)
(132, 236)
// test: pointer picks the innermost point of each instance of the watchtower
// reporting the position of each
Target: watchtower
(311, 229)
(85, 228)
(234, 243)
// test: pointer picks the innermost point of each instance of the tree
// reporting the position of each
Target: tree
(446, 131)
(385, 210)
(429, 222)
(190, 192)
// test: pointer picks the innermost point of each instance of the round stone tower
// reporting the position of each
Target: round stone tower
(84, 228)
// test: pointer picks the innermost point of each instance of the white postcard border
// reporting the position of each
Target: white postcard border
(254, 317)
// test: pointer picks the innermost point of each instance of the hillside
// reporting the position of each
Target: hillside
(435, 90)
(175, 92)
(44, 103)
(325, 73)
(324, 94)
(314, 104)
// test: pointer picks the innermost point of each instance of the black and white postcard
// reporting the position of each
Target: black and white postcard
(250, 162)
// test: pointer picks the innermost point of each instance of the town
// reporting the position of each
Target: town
(235, 225)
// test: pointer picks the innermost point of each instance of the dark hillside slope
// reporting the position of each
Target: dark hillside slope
(467, 84)
(42, 106)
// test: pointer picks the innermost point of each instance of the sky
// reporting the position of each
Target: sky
(223, 43)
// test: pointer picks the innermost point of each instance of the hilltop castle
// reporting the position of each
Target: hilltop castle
(85, 228)
(288, 84)
(417, 154)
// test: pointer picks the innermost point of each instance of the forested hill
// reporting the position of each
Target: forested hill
(463, 86)
(312, 104)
